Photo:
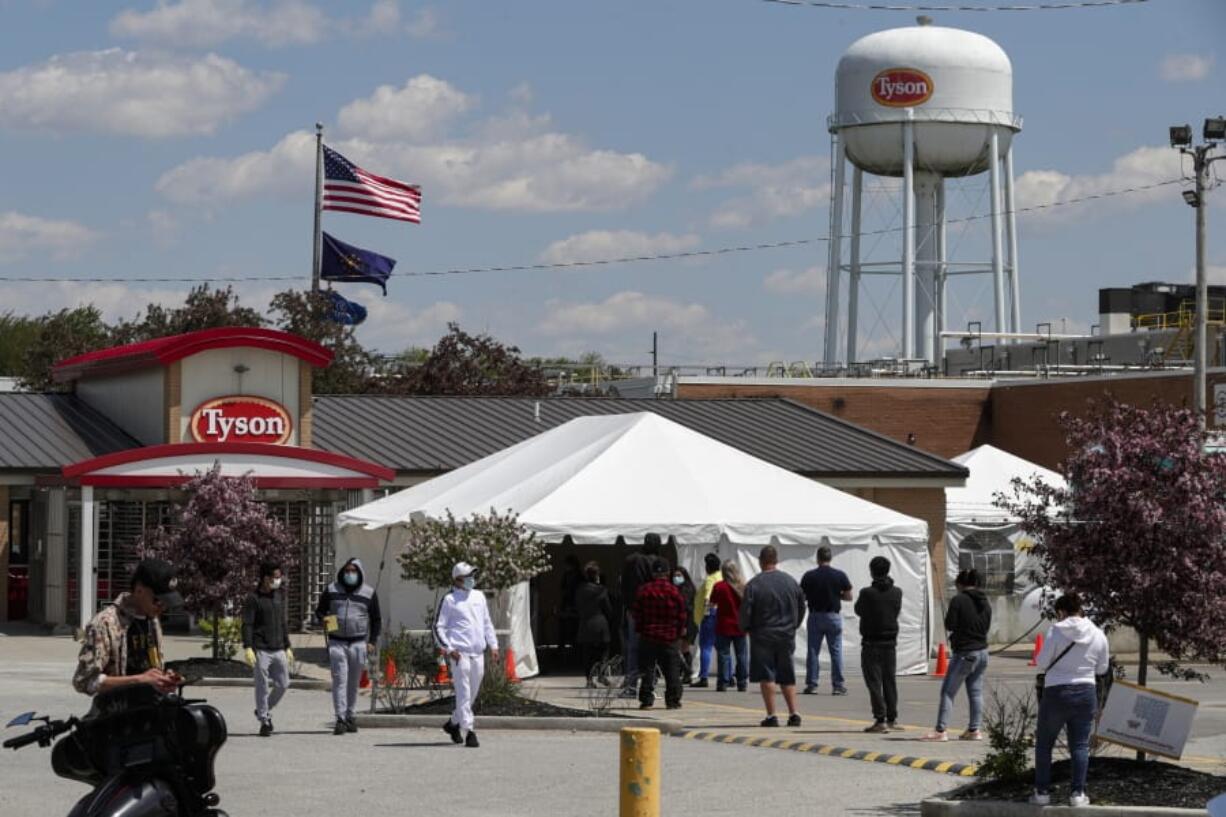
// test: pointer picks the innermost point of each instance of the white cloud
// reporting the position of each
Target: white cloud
(690, 331)
(772, 191)
(125, 92)
(23, 236)
(1143, 166)
(598, 244)
(286, 169)
(1185, 67)
(412, 112)
(392, 327)
(424, 24)
(793, 282)
(528, 167)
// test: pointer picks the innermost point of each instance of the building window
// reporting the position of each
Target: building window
(991, 554)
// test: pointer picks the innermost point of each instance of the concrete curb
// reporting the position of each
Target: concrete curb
(525, 723)
(922, 763)
(1001, 808)
(295, 683)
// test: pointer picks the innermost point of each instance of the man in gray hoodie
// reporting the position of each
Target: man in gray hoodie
(349, 611)
(772, 610)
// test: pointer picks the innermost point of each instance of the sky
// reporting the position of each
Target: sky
(175, 138)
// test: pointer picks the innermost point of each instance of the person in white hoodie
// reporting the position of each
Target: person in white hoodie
(1074, 653)
(463, 631)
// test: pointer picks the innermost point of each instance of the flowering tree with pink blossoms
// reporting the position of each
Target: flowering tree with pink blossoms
(1140, 531)
(217, 540)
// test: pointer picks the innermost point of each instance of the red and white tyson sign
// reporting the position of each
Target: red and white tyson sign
(902, 87)
(241, 419)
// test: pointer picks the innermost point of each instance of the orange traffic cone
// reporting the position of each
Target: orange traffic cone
(365, 682)
(1038, 647)
(511, 676)
(442, 677)
(942, 662)
(389, 672)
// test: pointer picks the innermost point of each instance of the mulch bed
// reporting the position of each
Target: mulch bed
(1115, 781)
(214, 668)
(522, 707)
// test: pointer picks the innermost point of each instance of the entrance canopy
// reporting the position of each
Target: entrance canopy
(992, 471)
(597, 478)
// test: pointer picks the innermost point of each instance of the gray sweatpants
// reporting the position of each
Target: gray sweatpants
(347, 661)
(270, 667)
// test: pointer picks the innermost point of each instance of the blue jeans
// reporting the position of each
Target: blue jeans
(830, 627)
(967, 667)
(1071, 707)
(724, 645)
(706, 643)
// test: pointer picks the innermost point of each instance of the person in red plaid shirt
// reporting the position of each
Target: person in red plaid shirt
(660, 619)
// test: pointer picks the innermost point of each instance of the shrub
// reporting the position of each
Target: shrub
(229, 636)
(1009, 719)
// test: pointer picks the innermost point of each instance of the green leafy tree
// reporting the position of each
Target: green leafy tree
(17, 333)
(60, 335)
(203, 308)
(307, 313)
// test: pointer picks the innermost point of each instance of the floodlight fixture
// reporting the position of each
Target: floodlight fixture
(1181, 136)
(1215, 128)
(1191, 198)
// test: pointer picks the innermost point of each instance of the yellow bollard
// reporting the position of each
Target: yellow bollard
(639, 787)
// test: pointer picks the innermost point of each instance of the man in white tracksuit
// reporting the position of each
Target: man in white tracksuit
(463, 631)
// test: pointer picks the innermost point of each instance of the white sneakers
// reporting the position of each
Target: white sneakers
(1079, 798)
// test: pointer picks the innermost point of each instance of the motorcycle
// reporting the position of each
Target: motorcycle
(146, 754)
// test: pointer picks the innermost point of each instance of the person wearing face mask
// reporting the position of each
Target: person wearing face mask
(266, 644)
(661, 618)
(464, 631)
(349, 610)
(123, 642)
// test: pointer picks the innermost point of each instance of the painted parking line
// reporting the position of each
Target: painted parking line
(922, 763)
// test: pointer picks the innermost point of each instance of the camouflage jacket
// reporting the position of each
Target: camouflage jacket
(104, 649)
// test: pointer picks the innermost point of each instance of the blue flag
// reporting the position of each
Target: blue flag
(344, 262)
(344, 311)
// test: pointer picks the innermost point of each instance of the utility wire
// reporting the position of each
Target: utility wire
(632, 259)
(1085, 4)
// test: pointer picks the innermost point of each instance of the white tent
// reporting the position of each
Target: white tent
(597, 478)
(981, 535)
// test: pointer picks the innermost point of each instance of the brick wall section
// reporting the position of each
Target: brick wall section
(306, 409)
(944, 421)
(1024, 418)
(927, 504)
(173, 402)
(4, 553)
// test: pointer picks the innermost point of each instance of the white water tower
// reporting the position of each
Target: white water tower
(922, 103)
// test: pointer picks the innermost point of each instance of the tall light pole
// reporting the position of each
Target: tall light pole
(1202, 158)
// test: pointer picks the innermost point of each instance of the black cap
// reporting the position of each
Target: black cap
(659, 567)
(159, 576)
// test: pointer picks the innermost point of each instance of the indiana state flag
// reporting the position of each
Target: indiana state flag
(344, 311)
(344, 262)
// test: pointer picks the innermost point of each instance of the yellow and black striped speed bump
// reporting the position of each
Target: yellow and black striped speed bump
(924, 763)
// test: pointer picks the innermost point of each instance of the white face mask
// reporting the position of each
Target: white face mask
(275, 584)
(470, 582)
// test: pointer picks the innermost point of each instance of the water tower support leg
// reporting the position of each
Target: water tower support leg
(835, 259)
(1011, 230)
(941, 278)
(998, 261)
(853, 288)
(908, 242)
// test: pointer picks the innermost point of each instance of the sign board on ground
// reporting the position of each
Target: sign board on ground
(1219, 404)
(1146, 720)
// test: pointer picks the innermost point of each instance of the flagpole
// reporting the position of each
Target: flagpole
(317, 242)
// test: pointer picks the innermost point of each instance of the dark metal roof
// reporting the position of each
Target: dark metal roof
(43, 432)
(435, 434)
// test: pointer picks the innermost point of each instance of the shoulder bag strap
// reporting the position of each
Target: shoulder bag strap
(1063, 653)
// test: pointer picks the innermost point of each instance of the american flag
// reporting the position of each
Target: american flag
(350, 189)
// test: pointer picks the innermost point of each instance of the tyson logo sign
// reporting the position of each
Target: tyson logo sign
(241, 419)
(901, 87)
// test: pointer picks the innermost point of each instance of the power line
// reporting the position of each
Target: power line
(884, 7)
(632, 259)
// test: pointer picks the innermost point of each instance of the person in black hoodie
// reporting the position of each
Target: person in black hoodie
(878, 607)
(266, 643)
(349, 611)
(967, 620)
